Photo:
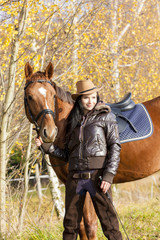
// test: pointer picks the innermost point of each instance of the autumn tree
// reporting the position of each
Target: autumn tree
(7, 110)
(115, 43)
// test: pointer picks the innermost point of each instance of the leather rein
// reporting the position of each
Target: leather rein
(43, 114)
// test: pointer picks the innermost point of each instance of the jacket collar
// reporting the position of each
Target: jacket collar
(101, 106)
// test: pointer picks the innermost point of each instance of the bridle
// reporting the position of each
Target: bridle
(43, 112)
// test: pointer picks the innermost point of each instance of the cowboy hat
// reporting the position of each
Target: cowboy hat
(85, 87)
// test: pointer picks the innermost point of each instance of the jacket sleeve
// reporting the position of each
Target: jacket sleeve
(113, 148)
(55, 151)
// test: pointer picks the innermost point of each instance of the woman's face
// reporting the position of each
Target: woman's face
(89, 101)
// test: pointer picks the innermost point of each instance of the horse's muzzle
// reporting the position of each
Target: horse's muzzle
(49, 136)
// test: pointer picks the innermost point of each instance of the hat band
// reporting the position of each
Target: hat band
(88, 90)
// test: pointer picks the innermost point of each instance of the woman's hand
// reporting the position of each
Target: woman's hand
(105, 186)
(39, 141)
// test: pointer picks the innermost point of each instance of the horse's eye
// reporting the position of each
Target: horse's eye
(30, 98)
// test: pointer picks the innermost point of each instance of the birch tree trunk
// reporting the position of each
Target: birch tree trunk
(75, 43)
(117, 37)
(158, 10)
(26, 181)
(38, 183)
(54, 183)
(55, 191)
(45, 42)
(114, 49)
(7, 111)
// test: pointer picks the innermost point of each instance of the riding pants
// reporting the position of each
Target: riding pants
(75, 196)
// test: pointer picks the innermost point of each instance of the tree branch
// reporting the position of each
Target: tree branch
(128, 25)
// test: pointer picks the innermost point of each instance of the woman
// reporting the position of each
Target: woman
(92, 150)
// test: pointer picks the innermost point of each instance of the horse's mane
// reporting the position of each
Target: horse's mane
(63, 95)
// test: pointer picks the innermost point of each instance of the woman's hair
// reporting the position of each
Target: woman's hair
(75, 116)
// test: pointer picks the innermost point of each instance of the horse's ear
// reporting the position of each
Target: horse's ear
(28, 70)
(49, 71)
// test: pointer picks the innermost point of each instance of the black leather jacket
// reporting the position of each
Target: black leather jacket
(94, 144)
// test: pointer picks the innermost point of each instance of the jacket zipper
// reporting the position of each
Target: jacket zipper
(81, 136)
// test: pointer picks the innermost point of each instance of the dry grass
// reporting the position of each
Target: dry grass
(136, 202)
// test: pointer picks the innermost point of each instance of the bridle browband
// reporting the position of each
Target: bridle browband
(43, 112)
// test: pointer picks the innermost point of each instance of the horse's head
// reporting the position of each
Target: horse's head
(39, 100)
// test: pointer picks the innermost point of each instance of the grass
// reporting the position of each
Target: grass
(141, 221)
(138, 205)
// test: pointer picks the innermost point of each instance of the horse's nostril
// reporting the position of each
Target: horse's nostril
(50, 135)
(45, 133)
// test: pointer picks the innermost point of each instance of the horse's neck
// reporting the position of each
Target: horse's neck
(62, 111)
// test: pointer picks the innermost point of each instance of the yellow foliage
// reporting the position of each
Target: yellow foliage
(97, 51)
(18, 143)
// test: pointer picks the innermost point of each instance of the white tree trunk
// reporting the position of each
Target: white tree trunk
(117, 36)
(54, 183)
(38, 183)
(75, 43)
(26, 181)
(158, 10)
(55, 190)
(114, 49)
(7, 111)
(45, 43)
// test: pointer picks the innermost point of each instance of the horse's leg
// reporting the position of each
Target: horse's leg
(89, 223)
(82, 231)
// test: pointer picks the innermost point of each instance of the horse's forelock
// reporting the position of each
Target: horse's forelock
(39, 76)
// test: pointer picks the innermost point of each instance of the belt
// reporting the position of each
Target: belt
(86, 175)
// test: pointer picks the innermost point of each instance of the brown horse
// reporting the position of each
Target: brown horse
(47, 106)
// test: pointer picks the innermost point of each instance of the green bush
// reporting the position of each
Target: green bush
(16, 161)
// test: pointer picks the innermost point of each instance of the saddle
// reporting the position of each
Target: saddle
(124, 105)
(118, 108)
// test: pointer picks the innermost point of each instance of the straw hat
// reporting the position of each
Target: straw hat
(85, 87)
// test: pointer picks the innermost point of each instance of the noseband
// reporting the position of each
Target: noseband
(44, 112)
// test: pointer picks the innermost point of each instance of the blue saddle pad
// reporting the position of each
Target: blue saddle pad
(141, 120)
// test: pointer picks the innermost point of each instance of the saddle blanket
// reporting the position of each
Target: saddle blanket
(141, 120)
